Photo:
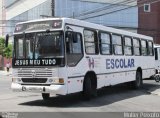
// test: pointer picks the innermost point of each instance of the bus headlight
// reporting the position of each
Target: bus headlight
(19, 80)
(51, 80)
(16, 80)
(58, 81)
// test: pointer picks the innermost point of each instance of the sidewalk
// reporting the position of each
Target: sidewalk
(4, 72)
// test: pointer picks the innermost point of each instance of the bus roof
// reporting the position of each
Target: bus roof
(156, 45)
(93, 26)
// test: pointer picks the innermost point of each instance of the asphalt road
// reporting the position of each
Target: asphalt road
(110, 99)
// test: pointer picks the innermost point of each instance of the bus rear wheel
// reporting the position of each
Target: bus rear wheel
(45, 96)
(138, 82)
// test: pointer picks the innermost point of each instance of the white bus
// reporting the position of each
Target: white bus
(63, 56)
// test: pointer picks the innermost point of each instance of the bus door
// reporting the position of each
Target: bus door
(74, 57)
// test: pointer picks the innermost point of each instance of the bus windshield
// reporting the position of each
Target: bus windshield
(37, 46)
(49, 45)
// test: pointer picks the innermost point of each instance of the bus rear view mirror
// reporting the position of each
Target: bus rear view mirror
(6, 41)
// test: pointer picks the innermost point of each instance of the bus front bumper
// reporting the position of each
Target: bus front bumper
(55, 89)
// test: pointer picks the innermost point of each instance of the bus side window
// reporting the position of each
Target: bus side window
(91, 41)
(128, 46)
(136, 47)
(105, 43)
(117, 44)
(144, 47)
(150, 48)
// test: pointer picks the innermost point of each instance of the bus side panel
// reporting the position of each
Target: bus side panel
(76, 76)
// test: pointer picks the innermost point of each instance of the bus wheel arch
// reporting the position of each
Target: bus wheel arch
(90, 85)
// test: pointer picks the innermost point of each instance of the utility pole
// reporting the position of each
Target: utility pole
(3, 17)
(53, 7)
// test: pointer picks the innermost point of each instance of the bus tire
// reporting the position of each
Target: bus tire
(45, 96)
(87, 88)
(138, 82)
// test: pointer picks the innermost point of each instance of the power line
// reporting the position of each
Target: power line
(109, 6)
(108, 10)
(117, 10)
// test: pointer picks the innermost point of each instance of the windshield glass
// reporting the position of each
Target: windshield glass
(48, 45)
(38, 46)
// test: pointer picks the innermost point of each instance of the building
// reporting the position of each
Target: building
(24, 10)
(149, 19)
(119, 14)
(1, 17)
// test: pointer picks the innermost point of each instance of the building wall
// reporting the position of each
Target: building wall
(21, 6)
(1, 18)
(149, 22)
(23, 10)
(88, 9)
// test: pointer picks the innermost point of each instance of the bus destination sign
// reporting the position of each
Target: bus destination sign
(41, 25)
(38, 62)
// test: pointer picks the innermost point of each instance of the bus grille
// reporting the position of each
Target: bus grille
(34, 80)
(35, 73)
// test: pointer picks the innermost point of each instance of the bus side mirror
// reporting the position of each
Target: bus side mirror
(6, 41)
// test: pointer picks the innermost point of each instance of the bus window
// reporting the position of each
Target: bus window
(20, 51)
(117, 44)
(136, 47)
(48, 45)
(150, 48)
(105, 43)
(91, 42)
(144, 47)
(128, 46)
(74, 49)
(29, 46)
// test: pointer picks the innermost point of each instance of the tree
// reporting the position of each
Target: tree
(2, 46)
(8, 51)
(5, 51)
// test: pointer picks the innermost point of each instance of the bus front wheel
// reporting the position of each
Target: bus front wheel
(89, 88)
(45, 96)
